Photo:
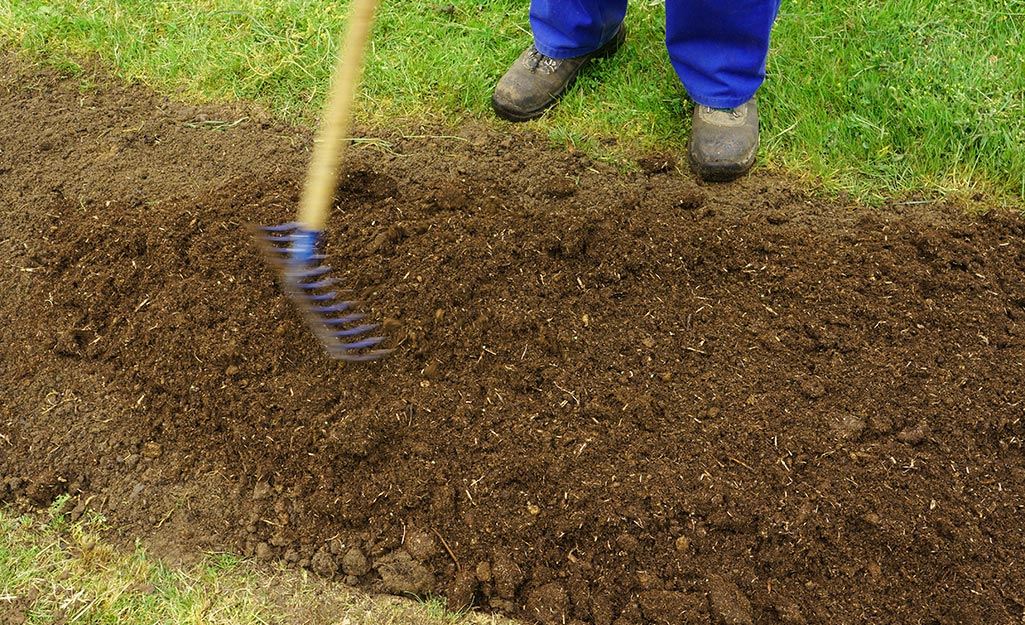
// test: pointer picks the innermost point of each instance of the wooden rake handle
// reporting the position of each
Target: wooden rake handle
(336, 119)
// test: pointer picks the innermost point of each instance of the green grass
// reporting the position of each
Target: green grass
(56, 571)
(52, 570)
(880, 99)
(906, 95)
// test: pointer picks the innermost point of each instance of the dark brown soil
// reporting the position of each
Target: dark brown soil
(615, 398)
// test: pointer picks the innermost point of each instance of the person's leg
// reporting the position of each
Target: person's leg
(567, 34)
(718, 49)
(565, 29)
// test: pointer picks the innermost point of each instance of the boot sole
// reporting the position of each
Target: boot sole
(505, 112)
(720, 173)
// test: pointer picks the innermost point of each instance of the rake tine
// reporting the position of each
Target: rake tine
(365, 343)
(320, 284)
(334, 308)
(313, 273)
(285, 227)
(356, 331)
(278, 239)
(338, 321)
(324, 297)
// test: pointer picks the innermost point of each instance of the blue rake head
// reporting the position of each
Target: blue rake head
(294, 252)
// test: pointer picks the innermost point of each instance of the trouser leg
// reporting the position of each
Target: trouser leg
(718, 47)
(571, 28)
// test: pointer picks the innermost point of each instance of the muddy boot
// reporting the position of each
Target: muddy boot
(723, 142)
(535, 81)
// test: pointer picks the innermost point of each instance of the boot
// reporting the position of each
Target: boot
(535, 82)
(723, 142)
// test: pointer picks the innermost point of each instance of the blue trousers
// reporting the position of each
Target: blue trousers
(717, 47)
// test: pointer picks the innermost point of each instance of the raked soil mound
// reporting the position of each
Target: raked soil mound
(614, 398)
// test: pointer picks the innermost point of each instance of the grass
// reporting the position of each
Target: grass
(879, 99)
(56, 571)
(908, 95)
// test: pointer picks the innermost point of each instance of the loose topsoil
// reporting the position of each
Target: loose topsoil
(614, 398)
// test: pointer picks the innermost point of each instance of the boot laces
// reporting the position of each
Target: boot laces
(537, 62)
(734, 113)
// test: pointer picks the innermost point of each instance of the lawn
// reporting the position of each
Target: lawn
(880, 99)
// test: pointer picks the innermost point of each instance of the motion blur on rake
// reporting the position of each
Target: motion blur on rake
(294, 249)
(295, 253)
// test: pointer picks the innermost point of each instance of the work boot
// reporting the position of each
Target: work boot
(723, 142)
(535, 82)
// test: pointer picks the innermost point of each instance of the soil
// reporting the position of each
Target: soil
(615, 397)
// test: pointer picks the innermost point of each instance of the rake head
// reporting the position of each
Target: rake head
(294, 252)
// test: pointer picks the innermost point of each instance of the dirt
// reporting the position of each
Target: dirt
(615, 397)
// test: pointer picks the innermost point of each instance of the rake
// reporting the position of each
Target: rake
(294, 249)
